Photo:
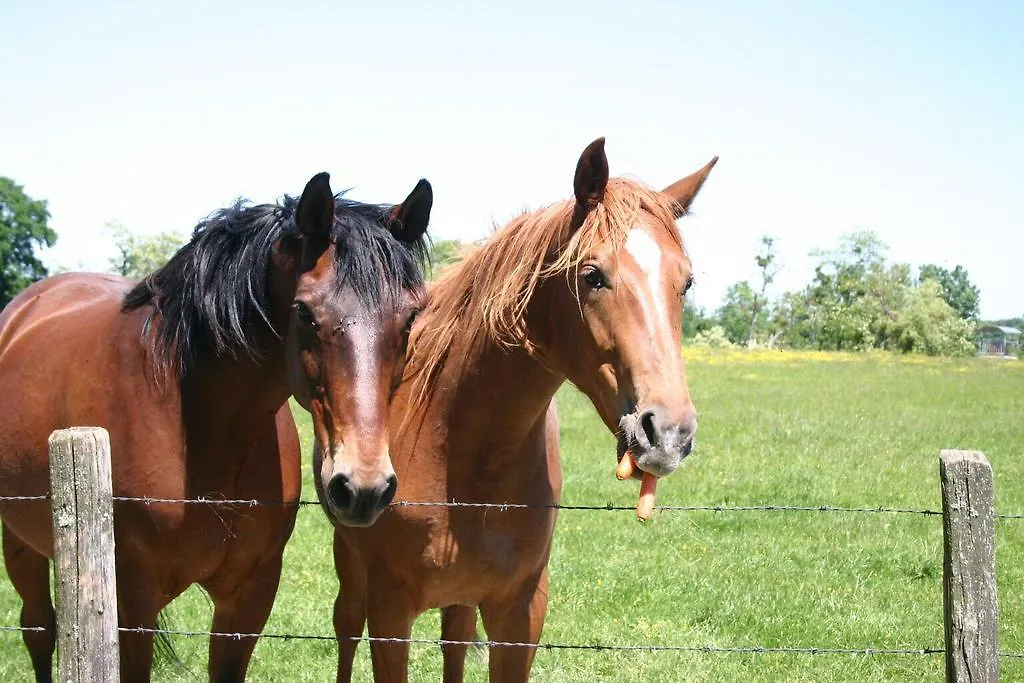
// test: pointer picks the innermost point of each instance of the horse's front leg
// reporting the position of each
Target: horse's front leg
(458, 623)
(241, 607)
(515, 617)
(138, 604)
(30, 573)
(349, 606)
(390, 613)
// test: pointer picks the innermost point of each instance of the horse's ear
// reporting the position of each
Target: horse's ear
(591, 177)
(315, 215)
(410, 218)
(683, 191)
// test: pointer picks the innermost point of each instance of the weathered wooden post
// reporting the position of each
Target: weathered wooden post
(83, 555)
(969, 567)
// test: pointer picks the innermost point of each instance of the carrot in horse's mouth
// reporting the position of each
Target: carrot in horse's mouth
(645, 505)
(626, 467)
(648, 485)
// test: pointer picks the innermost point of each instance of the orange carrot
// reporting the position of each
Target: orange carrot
(626, 466)
(645, 505)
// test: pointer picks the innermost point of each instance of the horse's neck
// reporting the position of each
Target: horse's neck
(228, 399)
(495, 403)
(231, 401)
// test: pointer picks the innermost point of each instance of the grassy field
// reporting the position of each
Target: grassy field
(776, 428)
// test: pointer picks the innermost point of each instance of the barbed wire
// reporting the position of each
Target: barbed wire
(705, 649)
(676, 508)
(545, 506)
(252, 502)
(22, 628)
(754, 649)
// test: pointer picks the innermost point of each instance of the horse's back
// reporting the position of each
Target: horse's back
(57, 335)
(49, 296)
(68, 357)
(52, 319)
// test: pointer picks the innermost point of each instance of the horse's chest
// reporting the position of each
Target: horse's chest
(210, 540)
(495, 552)
(217, 538)
(465, 561)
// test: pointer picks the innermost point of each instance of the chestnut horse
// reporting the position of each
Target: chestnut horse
(190, 371)
(589, 290)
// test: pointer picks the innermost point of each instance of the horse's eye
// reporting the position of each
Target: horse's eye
(594, 278)
(687, 286)
(409, 322)
(305, 315)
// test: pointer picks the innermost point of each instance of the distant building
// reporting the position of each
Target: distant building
(997, 340)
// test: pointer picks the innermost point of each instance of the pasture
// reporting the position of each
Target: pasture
(782, 428)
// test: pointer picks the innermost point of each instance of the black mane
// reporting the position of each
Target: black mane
(212, 297)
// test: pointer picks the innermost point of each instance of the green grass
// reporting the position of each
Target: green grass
(778, 428)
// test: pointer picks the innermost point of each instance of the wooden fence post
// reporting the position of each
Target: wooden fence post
(970, 602)
(83, 555)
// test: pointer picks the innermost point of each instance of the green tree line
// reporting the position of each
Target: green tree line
(857, 299)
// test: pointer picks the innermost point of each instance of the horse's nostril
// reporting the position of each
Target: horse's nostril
(648, 429)
(340, 492)
(389, 492)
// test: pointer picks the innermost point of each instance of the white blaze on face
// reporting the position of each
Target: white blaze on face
(647, 254)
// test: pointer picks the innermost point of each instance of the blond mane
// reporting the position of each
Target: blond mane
(485, 297)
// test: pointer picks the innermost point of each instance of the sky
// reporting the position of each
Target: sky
(904, 118)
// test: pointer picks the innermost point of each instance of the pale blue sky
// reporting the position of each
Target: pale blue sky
(900, 117)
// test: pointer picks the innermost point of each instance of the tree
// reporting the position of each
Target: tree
(930, 325)
(887, 289)
(23, 227)
(695, 319)
(713, 337)
(445, 253)
(737, 311)
(139, 255)
(791, 323)
(765, 260)
(957, 289)
(855, 296)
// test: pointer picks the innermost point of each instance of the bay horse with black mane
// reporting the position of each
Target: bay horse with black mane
(590, 290)
(190, 371)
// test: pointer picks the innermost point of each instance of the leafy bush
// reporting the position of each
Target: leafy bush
(714, 338)
(930, 325)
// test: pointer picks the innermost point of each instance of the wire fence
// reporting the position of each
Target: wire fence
(251, 502)
(593, 647)
(553, 646)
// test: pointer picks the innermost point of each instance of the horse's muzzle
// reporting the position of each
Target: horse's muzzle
(657, 439)
(346, 501)
(350, 505)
